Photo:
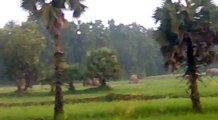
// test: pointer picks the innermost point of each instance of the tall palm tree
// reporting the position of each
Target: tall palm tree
(51, 13)
(189, 39)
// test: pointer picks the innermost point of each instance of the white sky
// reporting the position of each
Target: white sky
(122, 11)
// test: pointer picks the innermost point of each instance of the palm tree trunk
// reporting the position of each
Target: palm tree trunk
(58, 62)
(195, 96)
(192, 72)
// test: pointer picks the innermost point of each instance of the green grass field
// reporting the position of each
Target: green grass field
(154, 98)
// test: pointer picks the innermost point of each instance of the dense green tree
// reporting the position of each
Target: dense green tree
(71, 73)
(48, 78)
(21, 49)
(102, 64)
(188, 35)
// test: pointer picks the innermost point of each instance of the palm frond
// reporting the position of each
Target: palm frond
(157, 15)
(29, 5)
(73, 4)
(48, 13)
(77, 6)
(79, 10)
(58, 3)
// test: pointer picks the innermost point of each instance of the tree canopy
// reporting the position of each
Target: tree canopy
(21, 49)
(102, 63)
(187, 35)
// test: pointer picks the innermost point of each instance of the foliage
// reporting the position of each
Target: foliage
(189, 38)
(102, 63)
(21, 49)
(47, 9)
(72, 72)
(137, 51)
(196, 18)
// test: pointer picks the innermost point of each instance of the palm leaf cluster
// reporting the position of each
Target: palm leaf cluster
(51, 11)
(198, 19)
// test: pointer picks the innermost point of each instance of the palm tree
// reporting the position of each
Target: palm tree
(190, 39)
(51, 13)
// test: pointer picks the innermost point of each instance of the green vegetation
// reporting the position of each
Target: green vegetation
(164, 109)
(161, 97)
(102, 63)
(127, 41)
(187, 35)
(20, 52)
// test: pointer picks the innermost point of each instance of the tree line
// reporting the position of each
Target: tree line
(29, 44)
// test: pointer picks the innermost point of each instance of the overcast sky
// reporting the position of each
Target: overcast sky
(122, 11)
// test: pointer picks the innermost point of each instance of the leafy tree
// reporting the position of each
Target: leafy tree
(102, 63)
(53, 16)
(70, 74)
(21, 49)
(48, 78)
(187, 34)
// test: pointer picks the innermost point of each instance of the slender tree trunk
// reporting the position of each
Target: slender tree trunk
(19, 82)
(71, 86)
(103, 82)
(26, 86)
(52, 87)
(19, 85)
(192, 72)
(195, 96)
(27, 83)
(58, 62)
